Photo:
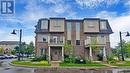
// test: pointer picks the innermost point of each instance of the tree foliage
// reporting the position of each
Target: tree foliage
(126, 49)
(30, 48)
(68, 47)
(1, 50)
(25, 48)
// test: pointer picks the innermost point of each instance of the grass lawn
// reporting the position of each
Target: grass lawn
(82, 65)
(122, 64)
(30, 64)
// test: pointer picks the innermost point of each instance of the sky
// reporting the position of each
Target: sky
(27, 13)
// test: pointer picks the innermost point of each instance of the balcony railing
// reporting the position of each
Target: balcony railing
(56, 41)
(96, 41)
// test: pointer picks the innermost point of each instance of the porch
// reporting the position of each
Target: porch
(96, 53)
(56, 53)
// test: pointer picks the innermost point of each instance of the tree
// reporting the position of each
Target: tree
(117, 50)
(68, 48)
(1, 50)
(30, 48)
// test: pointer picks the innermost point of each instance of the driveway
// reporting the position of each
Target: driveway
(5, 67)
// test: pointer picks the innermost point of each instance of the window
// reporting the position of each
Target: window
(44, 24)
(69, 41)
(103, 25)
(44, 38)
(77, 42)
(77, 30)
(43, 51)
(88, 40)
(69, 28)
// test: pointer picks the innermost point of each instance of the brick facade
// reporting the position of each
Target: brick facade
(82, 50)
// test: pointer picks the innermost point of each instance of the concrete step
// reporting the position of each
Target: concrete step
(55, 63)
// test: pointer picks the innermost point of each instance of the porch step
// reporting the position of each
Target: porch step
(55, 63)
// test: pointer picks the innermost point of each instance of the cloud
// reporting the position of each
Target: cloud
(96, 3)
(59, 8)
(51, 1)
(105, 14)
(117, 23)
(29, 38)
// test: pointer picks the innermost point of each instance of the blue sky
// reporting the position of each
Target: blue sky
(27, 13)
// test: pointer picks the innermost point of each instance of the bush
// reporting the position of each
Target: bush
(43, 62)
(79, 60)
(69, 59)
(40, 58)
(88, 61)
(110, 59)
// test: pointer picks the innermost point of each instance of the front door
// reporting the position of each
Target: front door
(56, 53)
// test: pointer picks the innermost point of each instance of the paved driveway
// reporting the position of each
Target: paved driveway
(6, 68)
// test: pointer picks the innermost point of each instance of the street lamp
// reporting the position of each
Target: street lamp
(122, 51)
(14, 32)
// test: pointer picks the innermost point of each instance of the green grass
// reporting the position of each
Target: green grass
(122, 64)
(29, 64)
(82, 65)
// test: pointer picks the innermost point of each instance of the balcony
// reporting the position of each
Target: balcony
(98, 41)
(56, 41)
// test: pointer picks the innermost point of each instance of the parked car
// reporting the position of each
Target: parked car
(2, 57)
(13, 56)
(8, 56)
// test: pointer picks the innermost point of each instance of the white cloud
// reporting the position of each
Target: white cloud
(105, 14)
(29, 17)
(95, 3)
(29, 38)
(117, 23)
(59, 8)
(52, 1)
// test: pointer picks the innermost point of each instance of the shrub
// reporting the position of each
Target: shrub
(88, 61)
(43, 62)
(69, 59)
(110, 59)
(40, 58)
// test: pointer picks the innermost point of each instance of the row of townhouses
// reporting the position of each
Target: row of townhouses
(89, 37)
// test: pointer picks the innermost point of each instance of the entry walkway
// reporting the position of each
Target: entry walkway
(55, 63)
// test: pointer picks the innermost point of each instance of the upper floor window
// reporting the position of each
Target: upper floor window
(103, 25)
(69, 28)
(77, 30)
(68, 25)
(44, 24)
(44, 38)
(77, 42)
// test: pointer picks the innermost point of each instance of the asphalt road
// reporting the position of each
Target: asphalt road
(5, 67)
